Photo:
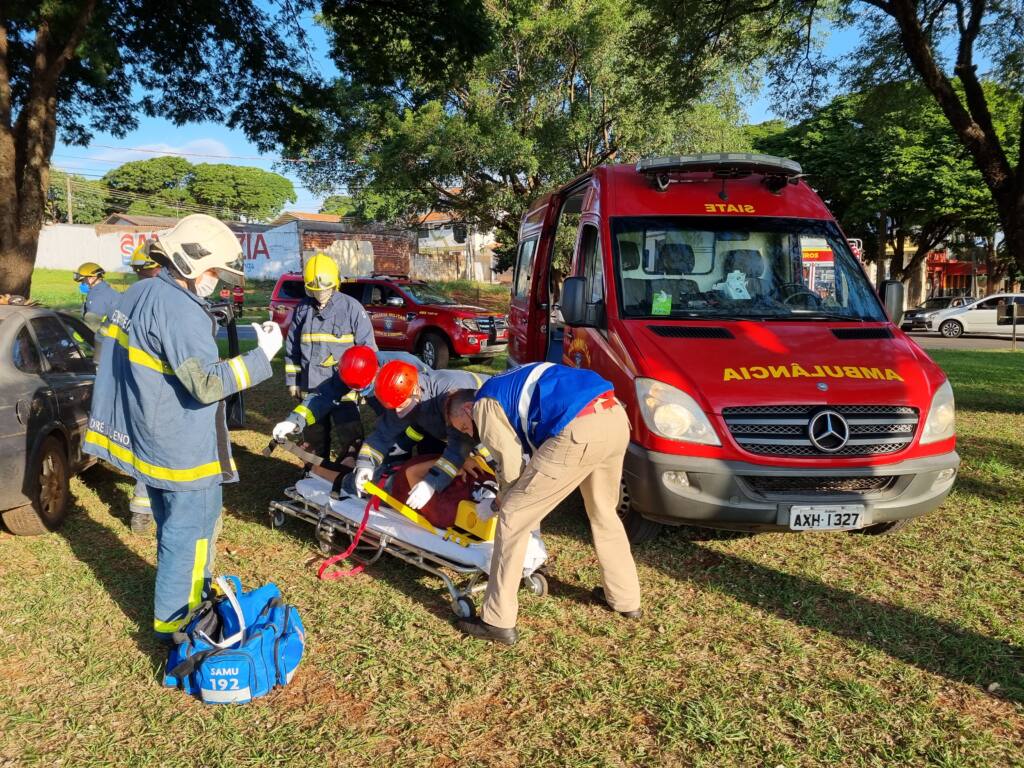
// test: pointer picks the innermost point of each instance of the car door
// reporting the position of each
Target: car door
(981, 318)
(26, 406)
(390, 325)
(70, 375)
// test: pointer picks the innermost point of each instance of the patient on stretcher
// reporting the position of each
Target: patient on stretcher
(470, 485)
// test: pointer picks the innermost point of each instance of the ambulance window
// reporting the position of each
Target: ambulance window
(592, 263)
(524, 268)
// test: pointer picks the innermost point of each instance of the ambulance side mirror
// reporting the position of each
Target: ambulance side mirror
(576, 310)
(892, 297)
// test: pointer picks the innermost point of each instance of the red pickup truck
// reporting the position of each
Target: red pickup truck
(410, 316)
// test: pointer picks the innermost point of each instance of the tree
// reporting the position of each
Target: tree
(561, 90)
(339, 205)
(933, 40)
(889, 155)
(157, 186)
(76, 65)
(88, 199)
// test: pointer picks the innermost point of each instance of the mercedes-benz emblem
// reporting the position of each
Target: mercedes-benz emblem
(828, 431)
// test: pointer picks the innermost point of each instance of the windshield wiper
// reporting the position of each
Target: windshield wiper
(815, 314)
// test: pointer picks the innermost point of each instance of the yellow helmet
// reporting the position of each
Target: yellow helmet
(320, 273)
(88, 269)
(141, 259)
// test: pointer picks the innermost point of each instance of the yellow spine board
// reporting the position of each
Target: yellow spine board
(400, 507)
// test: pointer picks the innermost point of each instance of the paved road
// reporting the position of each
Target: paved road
(245, 331)
(970, 341)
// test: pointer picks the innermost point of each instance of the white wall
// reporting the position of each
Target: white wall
(66, 246)
(271, 253)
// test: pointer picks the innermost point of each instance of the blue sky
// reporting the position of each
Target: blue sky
(215, 143)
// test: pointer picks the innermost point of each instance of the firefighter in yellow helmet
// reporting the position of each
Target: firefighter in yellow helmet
(142, 263)
(100, 297)
(324, 325)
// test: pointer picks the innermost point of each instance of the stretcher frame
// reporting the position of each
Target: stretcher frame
(328, 528)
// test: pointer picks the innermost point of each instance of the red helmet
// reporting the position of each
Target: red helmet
(396, 383)
(358, 366)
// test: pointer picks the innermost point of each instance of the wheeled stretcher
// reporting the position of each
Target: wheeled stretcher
(456, 556)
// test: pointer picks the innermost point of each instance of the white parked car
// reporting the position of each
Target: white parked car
(980, 316)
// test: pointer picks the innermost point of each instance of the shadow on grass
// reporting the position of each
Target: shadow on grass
(931, 644)
(125, 576)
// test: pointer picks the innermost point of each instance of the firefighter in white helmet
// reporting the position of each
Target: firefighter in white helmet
(158, 412)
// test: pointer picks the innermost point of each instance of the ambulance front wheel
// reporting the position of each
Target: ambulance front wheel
(463, 608)
(537, 583)
(638, 528)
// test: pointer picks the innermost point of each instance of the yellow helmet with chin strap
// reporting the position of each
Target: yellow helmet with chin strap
(141, 258)
(88, 269)
(320, 273)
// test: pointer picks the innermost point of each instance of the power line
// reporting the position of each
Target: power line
(129, 197)
(300, 161)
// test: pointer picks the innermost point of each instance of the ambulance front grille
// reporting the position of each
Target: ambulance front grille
(783, 430)
(815, 484)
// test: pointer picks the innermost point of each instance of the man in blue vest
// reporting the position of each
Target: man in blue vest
(158, 409)
(575, 433)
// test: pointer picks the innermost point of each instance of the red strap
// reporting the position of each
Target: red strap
(373, 504)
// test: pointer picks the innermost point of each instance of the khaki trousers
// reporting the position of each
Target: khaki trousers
(587, 454)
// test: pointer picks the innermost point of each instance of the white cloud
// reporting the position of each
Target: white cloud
(189, 149)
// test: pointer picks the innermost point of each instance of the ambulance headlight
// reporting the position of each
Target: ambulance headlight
(941, 421)
(670, 412)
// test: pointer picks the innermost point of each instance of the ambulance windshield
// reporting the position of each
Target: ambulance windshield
(739, 268)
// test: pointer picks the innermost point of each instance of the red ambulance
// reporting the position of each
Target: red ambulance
(766, 384)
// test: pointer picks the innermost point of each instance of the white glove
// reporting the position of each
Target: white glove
(269, 338)
(485, 510)
(360, 477)
(420, 494)
(284, 428)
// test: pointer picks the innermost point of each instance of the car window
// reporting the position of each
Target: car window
(58, 348)
(990, 303)
(355, 290)
(524, 268)
(379, 294)
(26, 356)
(82, 334)
(291, 289)
(592, 263)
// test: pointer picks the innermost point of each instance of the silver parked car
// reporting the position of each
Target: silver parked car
(46, 384)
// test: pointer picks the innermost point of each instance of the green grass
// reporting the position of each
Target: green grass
(770, 650)
(56, 287)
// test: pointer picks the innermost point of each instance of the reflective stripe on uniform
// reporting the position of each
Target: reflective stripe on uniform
(371, 453)
(351, 397)
(136, 355)
(447, 467)
(141, 501)
(184, 475)
(347, 338)
(526, 397)
(241, 372)
(292, 368)
(195, 594)
(413, 435)
(305, 413)
(482, 450)
(167, 627)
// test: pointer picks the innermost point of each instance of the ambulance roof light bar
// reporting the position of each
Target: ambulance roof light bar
(721, 165)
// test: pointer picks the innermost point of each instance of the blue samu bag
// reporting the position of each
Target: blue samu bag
(237, 646)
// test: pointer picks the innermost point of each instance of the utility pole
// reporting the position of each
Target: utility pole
(67, 187)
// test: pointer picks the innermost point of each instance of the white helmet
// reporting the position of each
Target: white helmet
(197, 243)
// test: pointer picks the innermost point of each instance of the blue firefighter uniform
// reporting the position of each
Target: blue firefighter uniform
(427, 419)
(158, 415)
(318, 337)
(99, 304)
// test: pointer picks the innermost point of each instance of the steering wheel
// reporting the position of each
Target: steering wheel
(797, 289)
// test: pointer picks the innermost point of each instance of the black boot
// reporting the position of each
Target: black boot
(598, 594)
(477, 627)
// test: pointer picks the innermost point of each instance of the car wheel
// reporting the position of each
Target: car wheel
(50, 492)
(433, 350)
(879, 529)
(951, 329)
(638, 528)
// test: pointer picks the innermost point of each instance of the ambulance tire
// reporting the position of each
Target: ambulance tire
(639, 530)
(433, 350)
(880, 529)
(50, 493)
(952, 329)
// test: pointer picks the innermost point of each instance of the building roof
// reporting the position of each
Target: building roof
(136, 220)
(287, 216)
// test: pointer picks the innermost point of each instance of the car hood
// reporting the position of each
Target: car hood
(763, 363)
(467, 310)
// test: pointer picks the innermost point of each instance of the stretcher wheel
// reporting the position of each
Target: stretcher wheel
(277, 519)
(537, 583)
(463, 608)
(325, 546)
